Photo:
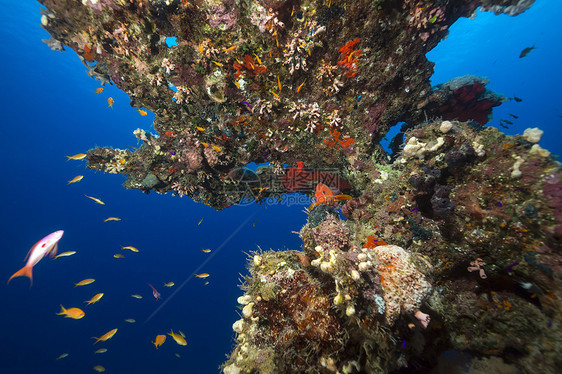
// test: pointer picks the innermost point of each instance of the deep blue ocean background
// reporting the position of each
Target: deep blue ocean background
(49, 109)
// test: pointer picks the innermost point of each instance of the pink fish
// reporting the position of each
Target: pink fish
(154, 292)
(47, 245)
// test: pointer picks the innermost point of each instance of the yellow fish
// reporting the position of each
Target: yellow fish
(65, 254)
(77, 178)
(216, 148)
(202, 275)
(169, 284)
(110, 101)
(206, 283)
(216, 63)
(99, 90)
(177, 355)
(112, 219)
(199, 128)
(181, 333)
(79, 156)
(136, 296)
(143, 112)
(105, 337)
(73, 313)
(99, 368)
(84, 282)
(94, 299)
(160, 339)
(130, 320)
(230, 48)
(130, 248)
(98, 201)
(204, 144)
(118, 255)
(201, 220)
(177, 337)
(101, 350)
(62, 356)
(205, 250)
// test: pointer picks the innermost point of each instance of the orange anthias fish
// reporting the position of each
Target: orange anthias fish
(65, 254)
(131, 248)
(99, 90)
(84, 282)
(110, 102)
(143, 112)
(177, 337)
(105, 337)
(324, 195)
(94, 299)
(77, 178)
(47, 245)
(98, 201)
(202, 275)
(155, 293)
(78, 156)
(160, 339)
(73, 313)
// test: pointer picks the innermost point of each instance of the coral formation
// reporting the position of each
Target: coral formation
(451, 243)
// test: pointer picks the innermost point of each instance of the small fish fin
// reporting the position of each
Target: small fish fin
(53, 252)
(25, 271)
(62, 310)
(29, 252)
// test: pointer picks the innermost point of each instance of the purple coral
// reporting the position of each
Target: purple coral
(332, 234)
(221, 17)
(212, 156)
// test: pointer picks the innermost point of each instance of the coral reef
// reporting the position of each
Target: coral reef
(453, 243)
(253, 79)
(451, 251)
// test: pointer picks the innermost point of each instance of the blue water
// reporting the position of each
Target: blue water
(50, 109)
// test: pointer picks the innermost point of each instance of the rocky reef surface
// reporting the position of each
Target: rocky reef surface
(450, 243)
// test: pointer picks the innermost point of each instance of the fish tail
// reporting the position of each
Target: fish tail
(97, 339)
(26, 271)
(62, 311)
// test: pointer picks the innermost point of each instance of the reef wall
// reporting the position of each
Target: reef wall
(450, 244)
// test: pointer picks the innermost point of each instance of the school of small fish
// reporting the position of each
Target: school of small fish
(49, 246)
